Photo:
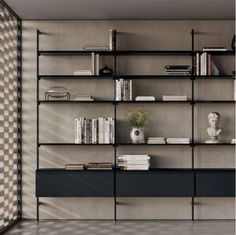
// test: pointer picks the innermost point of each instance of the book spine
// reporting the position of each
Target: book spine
(112, 39)
(82, 119)
(197, 64)
(118, 90)
(93, 63)
(122, 89)
(97, 65)
(100, 127)
(130, 89)
(107, 131)
(76, 131)
(79, 132)
(208, 64)
(95, 131)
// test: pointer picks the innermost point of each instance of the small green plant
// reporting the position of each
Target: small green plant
(137, 118)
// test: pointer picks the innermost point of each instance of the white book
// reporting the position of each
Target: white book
(93, 66)
(174, 97)
(107, 131)
(96, 47)
(197, 64)
(100, 130)
(79, 132)
(76, 131)
(122, 88)
(81, 126)
(83, 72)
(203, 64)
(110, 121)
(118, 90)
(112, 39)
(97, 66)
(145, 98)
(133, 157)
(130, 89)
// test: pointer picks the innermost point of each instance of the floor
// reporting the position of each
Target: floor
(124, 228)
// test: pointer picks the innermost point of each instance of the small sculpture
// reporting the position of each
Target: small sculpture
(214, 130)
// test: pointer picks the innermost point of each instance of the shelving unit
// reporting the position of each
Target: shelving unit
(115, 183)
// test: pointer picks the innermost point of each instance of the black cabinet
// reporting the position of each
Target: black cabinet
(155, 183)
(62, 183)
(215, 183)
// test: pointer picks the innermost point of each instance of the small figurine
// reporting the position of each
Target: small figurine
(214, 130)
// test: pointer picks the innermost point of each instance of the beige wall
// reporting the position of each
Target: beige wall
(167, 120)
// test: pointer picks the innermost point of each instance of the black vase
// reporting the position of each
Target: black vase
(233, 43)
(105, 71)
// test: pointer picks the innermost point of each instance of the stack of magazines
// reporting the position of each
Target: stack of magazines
(123, 89)
(177, 70)
(134, 162)
(99, 166)
(156, 140)
(94, 131)
(178, 140)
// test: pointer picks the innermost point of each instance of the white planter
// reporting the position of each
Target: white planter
(137, 135)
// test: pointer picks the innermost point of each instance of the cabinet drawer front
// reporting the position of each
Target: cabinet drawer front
(74, 184)
(215, 184)
(155, 184)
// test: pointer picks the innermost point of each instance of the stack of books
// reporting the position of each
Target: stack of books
(233, 141)
(99, 166)
(84, 98)
(178, 140)
(123, 89)
(111, 46)
(174, 98)
(94, 131)
(145, 98)
(204, 64)
(177, 70)
(77, 167)
(134, 162)
(156, 140)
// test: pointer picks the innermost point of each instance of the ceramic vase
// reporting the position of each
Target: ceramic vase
(137, 135)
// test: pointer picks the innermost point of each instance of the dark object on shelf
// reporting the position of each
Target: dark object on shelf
(233, 43)
(105, 71)
(57, 92)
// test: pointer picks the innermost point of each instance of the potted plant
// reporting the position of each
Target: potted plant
(137, 118)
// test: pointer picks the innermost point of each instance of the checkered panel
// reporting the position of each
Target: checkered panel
(9, 118)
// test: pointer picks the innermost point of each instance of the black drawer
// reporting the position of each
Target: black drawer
(62, 183)
(215, 183)
(168, 183)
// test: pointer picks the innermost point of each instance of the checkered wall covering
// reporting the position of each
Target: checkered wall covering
(9, 118)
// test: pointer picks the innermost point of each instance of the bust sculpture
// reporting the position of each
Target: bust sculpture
(214, 130)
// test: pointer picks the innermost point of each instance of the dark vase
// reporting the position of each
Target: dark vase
(233, 43)
(105, 71)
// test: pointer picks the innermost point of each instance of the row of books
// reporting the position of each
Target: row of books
(163, 140)
(204, 65)
(134, 162)
(111, 46)
(90, 166)
(174, 70)
(124, 89)
(94, 131)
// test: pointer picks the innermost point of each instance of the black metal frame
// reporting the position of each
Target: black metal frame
(19, 119)
(115, 103)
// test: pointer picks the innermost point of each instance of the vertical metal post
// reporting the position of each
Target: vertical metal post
(115, 140)
(37, 141)
(19, 82)
(192, 106)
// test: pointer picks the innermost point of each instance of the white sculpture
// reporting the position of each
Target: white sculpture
(214, 130)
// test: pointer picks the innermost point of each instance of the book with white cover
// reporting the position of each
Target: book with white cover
(76, 131)
(93, 66)
(96, 47)
(112, 39)
(100, 130)
(145, 98)
(97, 64)
(83, 72)
(203, 64)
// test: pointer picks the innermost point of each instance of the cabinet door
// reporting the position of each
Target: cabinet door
(212, 183)
(155, 184)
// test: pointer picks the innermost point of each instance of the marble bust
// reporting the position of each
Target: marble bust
(214, 130)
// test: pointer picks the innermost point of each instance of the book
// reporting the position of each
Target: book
(96, 47)
(85, 72)
(97, 64)
(112, 39)
(178, 140)
(174, 98)
(74, 167)
(99, 166)
(83, 98)
(145, 98)
(124, 89)
(214, 49)
(93, 66)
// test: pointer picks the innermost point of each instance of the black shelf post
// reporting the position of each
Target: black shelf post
(37, 134)
(192, 107)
